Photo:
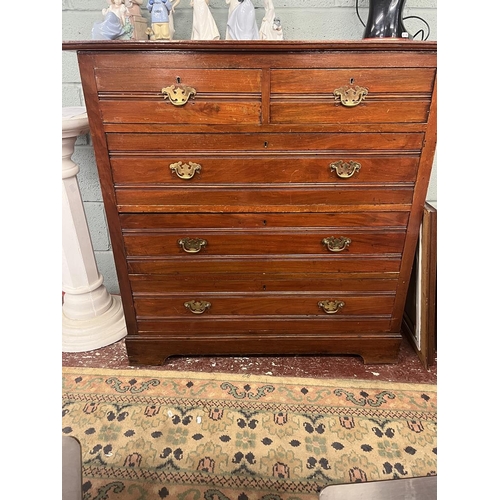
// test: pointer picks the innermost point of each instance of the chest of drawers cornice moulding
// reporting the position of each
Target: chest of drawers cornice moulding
(262, 198)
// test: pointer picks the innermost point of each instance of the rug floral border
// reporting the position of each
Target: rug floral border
(215, 434)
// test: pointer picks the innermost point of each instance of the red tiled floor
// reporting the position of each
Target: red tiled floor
(408, 369)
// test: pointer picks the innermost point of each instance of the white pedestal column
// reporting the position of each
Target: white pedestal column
(91, 317)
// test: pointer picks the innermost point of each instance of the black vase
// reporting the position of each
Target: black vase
(385, 19)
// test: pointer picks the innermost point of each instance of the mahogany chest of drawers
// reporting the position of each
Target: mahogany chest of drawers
(262, 197)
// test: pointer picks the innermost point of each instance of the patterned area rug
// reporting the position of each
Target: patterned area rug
(184, 435)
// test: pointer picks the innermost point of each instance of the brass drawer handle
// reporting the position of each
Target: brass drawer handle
(185, 170)
(192, 245)
(345, 169)
(331, 306)
(178, 95)
(197, 306)
(336, 244)
(350, 96)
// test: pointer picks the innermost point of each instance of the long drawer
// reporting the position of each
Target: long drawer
(253, 304)
(229, 169)
(296, 241)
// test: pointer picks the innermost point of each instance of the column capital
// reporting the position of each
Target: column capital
(75, 121)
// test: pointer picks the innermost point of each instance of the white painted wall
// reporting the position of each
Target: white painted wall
(301, 20)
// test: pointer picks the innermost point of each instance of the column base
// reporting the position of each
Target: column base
(94, 333)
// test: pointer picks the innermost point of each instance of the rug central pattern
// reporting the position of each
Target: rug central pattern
(159, 434)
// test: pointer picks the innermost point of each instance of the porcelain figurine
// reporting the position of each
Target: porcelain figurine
(160, 10)
(115, 24)
(204, 26)
(232, 5)
(241, 23)
(270, 29)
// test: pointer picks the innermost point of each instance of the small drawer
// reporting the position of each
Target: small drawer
(269, 198)
(296, 304)
(179, 96)
(267, 143)
(294, 242)
(188, 169)
(351, 96)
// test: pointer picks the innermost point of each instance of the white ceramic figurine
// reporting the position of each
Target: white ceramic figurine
(270, 29)
(241, 23)
(204, 27)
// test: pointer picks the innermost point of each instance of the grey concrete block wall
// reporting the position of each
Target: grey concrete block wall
(301, 20)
